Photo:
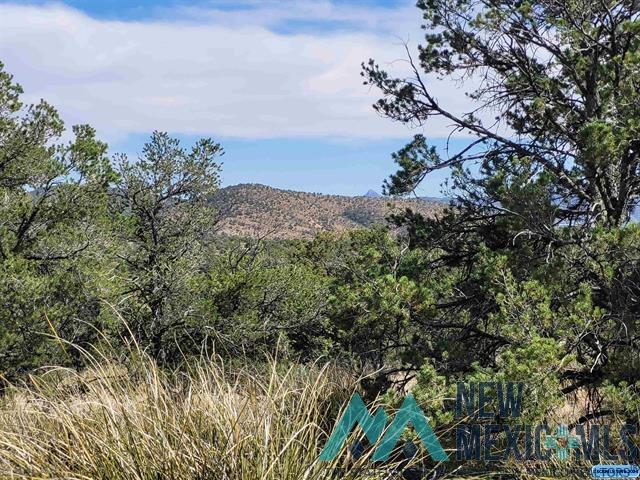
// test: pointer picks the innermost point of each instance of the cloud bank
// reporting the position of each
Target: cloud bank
(252, 70)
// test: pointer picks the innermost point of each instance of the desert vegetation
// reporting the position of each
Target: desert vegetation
(253, 210)
(135, 421)
(137, 341)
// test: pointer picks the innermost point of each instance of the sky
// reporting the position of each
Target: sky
(277, 82)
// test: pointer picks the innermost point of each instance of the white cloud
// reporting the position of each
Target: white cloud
(274, 14)
(213, 72)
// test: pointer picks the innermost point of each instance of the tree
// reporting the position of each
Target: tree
(370, 295)
(562, 77)
(537, 237)
(50, 197)
(264, 297)
(162, 219)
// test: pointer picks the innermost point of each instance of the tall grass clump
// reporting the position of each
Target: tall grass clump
(138, 421)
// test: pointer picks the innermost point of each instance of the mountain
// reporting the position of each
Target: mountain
(372, 194)
(256, 210)
(443, 200)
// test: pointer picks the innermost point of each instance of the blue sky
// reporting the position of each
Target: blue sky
(276, 82)
(317, 165)
(151, 9)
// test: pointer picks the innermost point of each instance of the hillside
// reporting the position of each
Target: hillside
(256, 210)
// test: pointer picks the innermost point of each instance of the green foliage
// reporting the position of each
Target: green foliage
(538, 259)
(434, 392)
(370, 297)
(259, 295)
(161, 220)
(532, 274)
(50, 195)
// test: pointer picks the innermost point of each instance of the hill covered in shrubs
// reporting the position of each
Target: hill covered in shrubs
(256, 210)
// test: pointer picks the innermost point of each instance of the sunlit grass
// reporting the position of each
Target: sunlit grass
(133, 420)
(142, 422)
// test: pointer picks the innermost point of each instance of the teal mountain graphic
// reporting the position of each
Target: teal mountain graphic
(373, 427)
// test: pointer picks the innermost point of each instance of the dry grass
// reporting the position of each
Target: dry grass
(139, 422)
(208, 421)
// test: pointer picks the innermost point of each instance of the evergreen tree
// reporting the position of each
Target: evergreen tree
(536, 247)
(50, 197)
(161, 220)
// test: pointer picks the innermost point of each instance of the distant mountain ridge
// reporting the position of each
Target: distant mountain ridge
(372, 194)
(443, 200)
(256, 210)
